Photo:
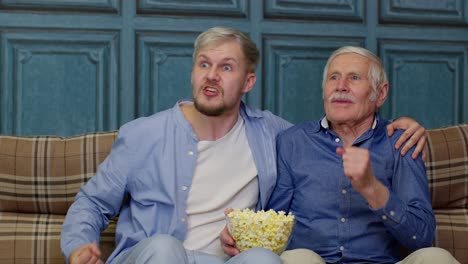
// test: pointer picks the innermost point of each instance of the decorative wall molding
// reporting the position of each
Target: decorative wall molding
(107, 62)
(293, 74)
(439, 12)
(432, 75)
(112, 6)
(349, 10)
(218, 8)
(164, 67)
(78, 76)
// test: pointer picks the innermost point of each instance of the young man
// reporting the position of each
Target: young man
(181, 167)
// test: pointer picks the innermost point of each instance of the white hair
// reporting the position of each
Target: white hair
(376, 73)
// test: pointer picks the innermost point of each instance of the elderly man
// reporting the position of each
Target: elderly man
(355, 198)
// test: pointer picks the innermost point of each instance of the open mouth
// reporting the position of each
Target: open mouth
(210, 91)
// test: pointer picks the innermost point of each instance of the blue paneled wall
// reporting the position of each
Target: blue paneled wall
(71, 67)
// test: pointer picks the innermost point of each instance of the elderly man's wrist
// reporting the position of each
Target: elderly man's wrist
(376, 195)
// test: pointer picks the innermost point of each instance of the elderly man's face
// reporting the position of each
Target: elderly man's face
(348, 94)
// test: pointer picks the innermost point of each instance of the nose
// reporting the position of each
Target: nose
(342, 85)
(213, 74)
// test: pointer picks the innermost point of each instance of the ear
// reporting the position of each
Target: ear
(383, 92)
(249, 83)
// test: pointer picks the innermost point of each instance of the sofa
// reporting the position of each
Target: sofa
(39, 177)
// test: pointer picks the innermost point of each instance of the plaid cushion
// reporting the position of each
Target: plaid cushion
(35, 238)
(452, 232)
(447, 166)
(447, 173)
(43, 174)
(39, 178)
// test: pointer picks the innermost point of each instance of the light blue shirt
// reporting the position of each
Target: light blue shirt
(332, 218)
(152, 162)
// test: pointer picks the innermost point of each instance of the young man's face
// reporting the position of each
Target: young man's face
(348, 95)
(220, 78)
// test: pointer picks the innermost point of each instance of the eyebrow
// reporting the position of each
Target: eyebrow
(201, 56)
(347, 74)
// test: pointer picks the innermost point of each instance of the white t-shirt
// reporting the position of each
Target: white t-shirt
(225, 176)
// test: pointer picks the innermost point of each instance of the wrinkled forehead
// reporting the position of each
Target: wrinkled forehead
(231, 50)
(349, 62)
(214, 43)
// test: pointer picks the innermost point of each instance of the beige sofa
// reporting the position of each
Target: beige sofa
(39, 177)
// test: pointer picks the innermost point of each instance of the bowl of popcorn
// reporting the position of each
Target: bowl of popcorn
(266, 229)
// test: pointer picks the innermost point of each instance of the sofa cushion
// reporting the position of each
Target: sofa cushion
(452, 232)
(447, 173)
(447, 167)
(35, 238)
(43, 174)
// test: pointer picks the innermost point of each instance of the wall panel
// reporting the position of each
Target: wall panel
(230, 8)
(164, 68)
(426, 81)
(352, 10)
(112, 6)
(438, 12)
(53, 80)
(71, 67)
(293, 70)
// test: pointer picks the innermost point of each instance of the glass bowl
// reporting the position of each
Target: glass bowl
(266, 229)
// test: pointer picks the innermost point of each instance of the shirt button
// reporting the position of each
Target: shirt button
(190, 153)
(184, 188)
(341, 248)
(182, 219)
(392, 213)
(343, 191)
(414, 237)
(337, 140)
(343, 219)
(384, 217)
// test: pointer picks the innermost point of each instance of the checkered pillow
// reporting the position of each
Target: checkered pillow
(39, 178)
(43, 174)
(447, 172)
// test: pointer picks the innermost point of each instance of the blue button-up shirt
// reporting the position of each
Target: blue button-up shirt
(332, 218)
(153, 161)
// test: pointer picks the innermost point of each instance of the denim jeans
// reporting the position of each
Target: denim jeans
(167, 249)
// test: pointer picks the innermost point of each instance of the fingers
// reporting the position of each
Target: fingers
(228, 210)
(390, 129)
(230, 251)
(420, 148)
(95, 250)
(356, 165)
(417, 138)
(405, 137)
(86, 254)
(228, 243)
(414, 134)
(84, 257)
(226, 237)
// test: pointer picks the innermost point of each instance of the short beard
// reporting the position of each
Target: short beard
(209, 111)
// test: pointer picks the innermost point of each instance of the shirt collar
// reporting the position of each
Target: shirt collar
(324, 122)
(250, 112)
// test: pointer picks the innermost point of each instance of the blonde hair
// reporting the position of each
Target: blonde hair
(218, 35)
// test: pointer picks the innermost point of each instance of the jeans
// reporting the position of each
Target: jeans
(167, 249)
